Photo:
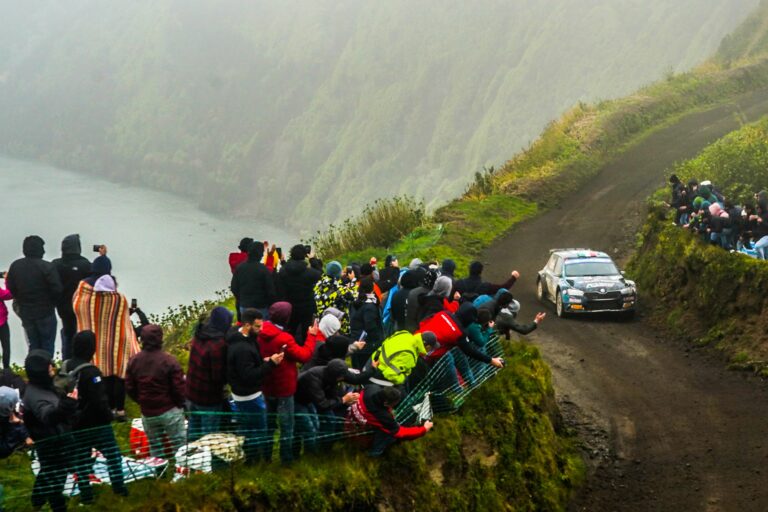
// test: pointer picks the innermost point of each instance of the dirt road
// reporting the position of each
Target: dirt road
(665, 427)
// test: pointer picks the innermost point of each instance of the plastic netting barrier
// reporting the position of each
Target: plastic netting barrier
(74, 464)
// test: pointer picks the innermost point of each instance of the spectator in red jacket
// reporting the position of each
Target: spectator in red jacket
(374, 409)
(155, 381)
(280, 386)
(207, 373)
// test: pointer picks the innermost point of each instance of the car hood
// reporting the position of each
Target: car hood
(598, 283)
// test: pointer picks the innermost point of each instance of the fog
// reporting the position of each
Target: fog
(300, 112)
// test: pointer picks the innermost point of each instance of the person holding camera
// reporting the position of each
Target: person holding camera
(36, 287)
(296, 285)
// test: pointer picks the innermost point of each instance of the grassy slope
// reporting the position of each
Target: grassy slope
(699, 291)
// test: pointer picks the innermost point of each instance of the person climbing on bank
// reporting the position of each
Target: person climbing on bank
(373, 410)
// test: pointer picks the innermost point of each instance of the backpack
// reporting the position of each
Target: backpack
(66, 381)
(445, 329)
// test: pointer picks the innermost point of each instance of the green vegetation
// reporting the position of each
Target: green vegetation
(505, 450)
(700, 291)
(306, 111)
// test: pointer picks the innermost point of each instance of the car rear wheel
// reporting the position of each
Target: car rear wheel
(559, 306)
(539, 289)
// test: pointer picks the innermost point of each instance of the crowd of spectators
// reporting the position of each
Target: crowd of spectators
(702, 209)
(308, 342)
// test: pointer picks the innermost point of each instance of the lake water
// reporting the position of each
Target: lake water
(164, 250)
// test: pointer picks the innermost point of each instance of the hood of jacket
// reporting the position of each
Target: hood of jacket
(448, 267)
(84, 345)
(101, 266)
(70, 246)
(37, 366)
(152, 337)
(334, 370)
(329, 325)
(33, 247)
(467, 314)
(269, 331)
(335, 347)
(475, 269)
(295, 267)
(255, 251)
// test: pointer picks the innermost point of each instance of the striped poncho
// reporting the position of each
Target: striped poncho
(107, 315)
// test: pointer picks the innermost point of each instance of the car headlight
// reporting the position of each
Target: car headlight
(574, 292)
(628, 291)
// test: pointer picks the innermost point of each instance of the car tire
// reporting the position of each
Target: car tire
(559, 306)
(540, 289)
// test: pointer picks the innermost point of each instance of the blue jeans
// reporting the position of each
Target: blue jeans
(761, 246)
(307, 428)
(252, 425)
(203, 420)
(281, 414)
(41, 333)
(381, 441)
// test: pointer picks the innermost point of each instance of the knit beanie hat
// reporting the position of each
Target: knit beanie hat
(280, 313)
(101, 266)
(84, 345)
(333, 269)
(329, 325)
(9, 397)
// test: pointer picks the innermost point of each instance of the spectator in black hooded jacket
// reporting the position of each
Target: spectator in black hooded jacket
(296, 285)
(252, 282)
(408, 282)
(93, 424)
(475, 284)
(36, 287)
(72, 268)
(49, 418)
(389, 274)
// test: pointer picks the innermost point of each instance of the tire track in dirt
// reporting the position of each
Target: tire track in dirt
(664, 427)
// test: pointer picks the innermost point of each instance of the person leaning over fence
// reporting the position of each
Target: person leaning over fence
(207, 373)
(318, 400)
(48, 415)
(156, 382)
(373, 410)
(399, 355)
(93, 424)
(246, 371)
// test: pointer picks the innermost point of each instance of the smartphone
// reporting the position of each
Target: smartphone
(363, 335)
(282, 349)
(2, 275)
(96, 248)
(134, 304)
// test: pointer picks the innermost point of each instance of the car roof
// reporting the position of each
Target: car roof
(568, 254)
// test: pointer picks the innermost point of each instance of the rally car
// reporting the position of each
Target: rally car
(585, 281)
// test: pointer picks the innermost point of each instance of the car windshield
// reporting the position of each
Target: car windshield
(585, 268)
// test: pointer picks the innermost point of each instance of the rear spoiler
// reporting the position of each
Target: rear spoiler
(569, 249)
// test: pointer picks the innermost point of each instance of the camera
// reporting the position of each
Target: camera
(97, 248)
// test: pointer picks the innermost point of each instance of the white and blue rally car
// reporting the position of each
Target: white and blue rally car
(585, 281)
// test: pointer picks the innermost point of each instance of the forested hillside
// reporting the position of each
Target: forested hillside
(303, 111)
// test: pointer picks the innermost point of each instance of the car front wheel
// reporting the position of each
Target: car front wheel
(539, 290)
(559, 306)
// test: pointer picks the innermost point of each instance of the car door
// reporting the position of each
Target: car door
(553, 275)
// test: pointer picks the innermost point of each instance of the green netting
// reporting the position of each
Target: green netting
(74, 464)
